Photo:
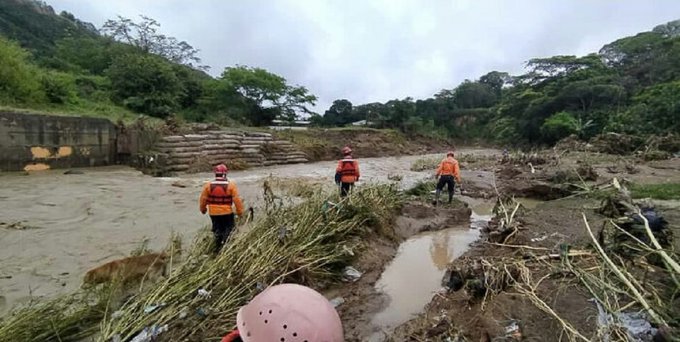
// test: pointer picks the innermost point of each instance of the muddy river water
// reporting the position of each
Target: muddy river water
(56, 226)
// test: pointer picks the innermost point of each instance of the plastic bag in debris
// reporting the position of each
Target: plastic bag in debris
(149, 333)
(351, 274)
(337, 301)
(151, 308)
(512, 330)
(636, 324)
(203, 293)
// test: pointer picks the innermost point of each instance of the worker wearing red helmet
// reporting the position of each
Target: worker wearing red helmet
(446, 172)
(217, 198)
(347, 172)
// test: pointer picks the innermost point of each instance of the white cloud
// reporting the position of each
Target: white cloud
(369, 51)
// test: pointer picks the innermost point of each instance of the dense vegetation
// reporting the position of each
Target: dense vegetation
(631, 86)
(59, 63)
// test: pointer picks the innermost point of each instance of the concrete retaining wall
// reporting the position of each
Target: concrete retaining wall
(198, 152)
(38, 142)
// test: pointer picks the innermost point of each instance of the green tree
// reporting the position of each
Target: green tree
(474, 95)
(269, 93)
(19, 80)
(559, 125)
(496, 80)
(145, 83)
(339, 114)
(659, 107)
(145, 36)
(59, 87)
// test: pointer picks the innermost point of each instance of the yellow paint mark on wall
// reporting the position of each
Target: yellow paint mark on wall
(64, 151)
(36, 167)
(40, 152)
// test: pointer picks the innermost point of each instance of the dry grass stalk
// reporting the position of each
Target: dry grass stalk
(625, 279)
(307, 244)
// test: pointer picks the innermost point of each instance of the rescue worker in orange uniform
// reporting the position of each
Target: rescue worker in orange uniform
(217, 198)
(446, 172)
(347, 172)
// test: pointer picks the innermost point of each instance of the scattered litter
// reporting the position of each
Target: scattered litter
(259, 286)
(149, 334)
(513, 331)
(203, 293)
(283, 231)
(151, 308)
(183, 313)
(636, 324)
(337, 301)
(201, 312)
(117, 314)
(539, 239)
(351, 274)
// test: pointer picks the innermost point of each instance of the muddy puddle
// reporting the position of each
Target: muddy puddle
(415, 274)
(56, 226)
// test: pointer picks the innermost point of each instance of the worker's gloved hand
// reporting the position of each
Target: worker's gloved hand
(203, 212)
(436, 177)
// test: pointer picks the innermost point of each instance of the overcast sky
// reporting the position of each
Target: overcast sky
(367, 51)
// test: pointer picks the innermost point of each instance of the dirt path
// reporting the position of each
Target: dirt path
(56, 226)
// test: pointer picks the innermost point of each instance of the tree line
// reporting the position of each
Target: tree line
(57, 61)
(631, 85)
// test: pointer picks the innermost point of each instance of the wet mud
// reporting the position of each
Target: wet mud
(56, 226)
(488, 298)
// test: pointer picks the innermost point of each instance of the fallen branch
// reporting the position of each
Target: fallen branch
(659, 250)
(636, 293)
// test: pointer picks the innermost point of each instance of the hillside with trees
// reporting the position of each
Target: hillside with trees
(631, 85)
(58, 63)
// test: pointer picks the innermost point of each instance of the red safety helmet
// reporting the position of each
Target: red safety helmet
(346, 150)
(221, 169)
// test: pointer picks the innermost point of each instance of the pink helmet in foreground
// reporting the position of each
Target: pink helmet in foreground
(346, 150)
(289, 312)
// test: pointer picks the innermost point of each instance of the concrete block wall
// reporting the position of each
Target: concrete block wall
(38, 142)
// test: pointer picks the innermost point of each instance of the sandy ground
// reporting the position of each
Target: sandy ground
(56, 226)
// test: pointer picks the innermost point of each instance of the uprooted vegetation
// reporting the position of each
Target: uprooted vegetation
(309, 243)
(534, 278)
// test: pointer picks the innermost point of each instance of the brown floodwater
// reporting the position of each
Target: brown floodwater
(56, 226)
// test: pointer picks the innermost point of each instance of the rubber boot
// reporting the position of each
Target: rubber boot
(436, 198)
(450, 196)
